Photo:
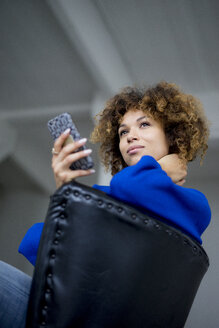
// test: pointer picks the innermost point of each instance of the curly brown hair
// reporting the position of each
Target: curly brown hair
(180, 114)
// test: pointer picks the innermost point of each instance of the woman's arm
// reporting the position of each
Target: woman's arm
(147, 187)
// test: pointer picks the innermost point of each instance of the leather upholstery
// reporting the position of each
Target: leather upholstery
(104, 264)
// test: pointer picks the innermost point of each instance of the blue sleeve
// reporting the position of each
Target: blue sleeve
(147, 187)
(105, 189)
(30, 243)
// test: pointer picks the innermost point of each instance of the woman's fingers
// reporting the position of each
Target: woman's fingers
(67, 153)
(181, 182)
(58, 144)
(66, 150)
(66, 162)
(71, 148)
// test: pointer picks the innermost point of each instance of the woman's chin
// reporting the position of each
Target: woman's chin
(135, 159)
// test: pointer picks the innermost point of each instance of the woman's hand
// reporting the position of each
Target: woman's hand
(175, 168)
(64, 156)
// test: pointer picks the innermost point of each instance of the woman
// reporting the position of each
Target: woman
(147, 138)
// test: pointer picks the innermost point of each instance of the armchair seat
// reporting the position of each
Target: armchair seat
(103, 264)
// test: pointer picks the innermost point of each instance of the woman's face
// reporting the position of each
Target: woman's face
(141, 135)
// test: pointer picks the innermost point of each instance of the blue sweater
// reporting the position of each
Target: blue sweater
(148, 188)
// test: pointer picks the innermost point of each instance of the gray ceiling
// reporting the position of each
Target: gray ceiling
(71, 55)
(172, 40)
(39, 65)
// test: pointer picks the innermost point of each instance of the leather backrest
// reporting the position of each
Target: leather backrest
(102, 263)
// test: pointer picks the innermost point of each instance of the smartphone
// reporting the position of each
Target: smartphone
(57, 126)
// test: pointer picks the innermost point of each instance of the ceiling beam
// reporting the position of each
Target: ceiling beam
(86, 29)
(42, 113)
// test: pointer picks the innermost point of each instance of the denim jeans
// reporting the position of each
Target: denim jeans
(14, 294)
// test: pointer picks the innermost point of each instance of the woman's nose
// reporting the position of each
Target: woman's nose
(132, 136)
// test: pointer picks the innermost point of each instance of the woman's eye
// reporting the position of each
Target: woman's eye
(122, 132)
(144, 124)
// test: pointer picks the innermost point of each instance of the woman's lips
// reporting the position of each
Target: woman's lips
(134, 149)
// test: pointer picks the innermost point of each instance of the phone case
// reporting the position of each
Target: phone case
(57, 126)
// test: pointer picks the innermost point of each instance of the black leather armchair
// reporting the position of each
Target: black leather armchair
(104, 264)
